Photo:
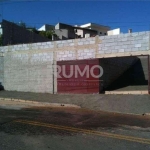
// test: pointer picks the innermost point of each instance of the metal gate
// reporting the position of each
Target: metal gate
(78, 83)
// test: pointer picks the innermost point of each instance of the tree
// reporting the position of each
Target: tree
(48, 34)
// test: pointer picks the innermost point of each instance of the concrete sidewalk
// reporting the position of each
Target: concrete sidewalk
(136, 104)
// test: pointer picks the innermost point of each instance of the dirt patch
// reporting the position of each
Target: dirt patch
(85, 118)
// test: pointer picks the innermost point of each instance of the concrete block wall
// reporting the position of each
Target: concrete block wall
(122, 43)
(28, 67)
(86, 54)
(66, 55)
(95, 47)
(29, 72)
(79, 49)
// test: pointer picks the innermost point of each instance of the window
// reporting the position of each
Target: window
(105, 33)
(100, 33)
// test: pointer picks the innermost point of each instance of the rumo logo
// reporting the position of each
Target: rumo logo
(75, 71)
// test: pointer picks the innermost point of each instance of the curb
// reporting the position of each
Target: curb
(127, 92)
(41, 103)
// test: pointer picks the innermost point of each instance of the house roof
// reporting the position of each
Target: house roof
(93, 24)
(74, 27)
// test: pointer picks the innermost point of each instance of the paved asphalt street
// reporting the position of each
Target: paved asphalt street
(72, 129)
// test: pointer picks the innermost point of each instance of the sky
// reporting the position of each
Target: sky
(122, 14)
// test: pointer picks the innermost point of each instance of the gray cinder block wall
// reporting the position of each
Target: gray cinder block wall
(29, 67)
(29, 72)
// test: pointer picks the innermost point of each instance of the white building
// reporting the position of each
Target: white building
(101, 30)
(113, 32)
(46, 27)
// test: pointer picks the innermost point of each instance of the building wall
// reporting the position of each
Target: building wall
(14, 34)
(101, 31)
(62, 33)
(29, 72)
(46, 27)
(63, 26)
(28, 67)
(92, 33)
(114, 32)
(80, 32)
